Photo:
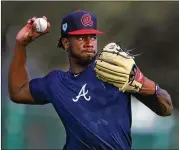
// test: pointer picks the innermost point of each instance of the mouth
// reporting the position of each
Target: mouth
(88, 51)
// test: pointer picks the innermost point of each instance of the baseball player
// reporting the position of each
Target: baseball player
(92, 98)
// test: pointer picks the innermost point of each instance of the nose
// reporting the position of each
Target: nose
(88, 42)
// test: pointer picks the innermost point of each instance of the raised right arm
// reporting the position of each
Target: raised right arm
(18, 77)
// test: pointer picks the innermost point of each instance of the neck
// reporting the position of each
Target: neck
(75, 67)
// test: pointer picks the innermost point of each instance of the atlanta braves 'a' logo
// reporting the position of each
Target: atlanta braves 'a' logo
(86, 20)
(83, 93)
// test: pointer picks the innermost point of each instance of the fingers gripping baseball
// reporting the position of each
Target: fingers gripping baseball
(29, 32)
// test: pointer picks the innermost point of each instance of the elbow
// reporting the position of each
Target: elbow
(14, 98)
(165, 114)
(168, 112)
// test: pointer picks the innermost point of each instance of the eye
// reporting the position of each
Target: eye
(93, 38)
(80, 38)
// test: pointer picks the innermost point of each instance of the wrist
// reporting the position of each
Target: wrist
(156, 89)
(19, 44)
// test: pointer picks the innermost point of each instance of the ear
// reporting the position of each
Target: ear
(65, 43)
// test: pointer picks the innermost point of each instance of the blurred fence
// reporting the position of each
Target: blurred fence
(149, 27)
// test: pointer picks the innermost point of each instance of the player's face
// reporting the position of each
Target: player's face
(83, 48)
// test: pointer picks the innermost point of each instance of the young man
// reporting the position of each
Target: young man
(96, 115)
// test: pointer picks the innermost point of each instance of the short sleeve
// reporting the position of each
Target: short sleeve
(38, 89)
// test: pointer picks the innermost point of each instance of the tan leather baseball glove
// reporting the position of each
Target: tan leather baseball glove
(117, 67)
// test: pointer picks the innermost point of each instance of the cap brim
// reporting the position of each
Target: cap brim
(85, 31)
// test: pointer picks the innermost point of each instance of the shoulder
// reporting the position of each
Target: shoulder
(54, 73)
(51, 76)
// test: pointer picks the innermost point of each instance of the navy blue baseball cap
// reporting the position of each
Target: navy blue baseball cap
(78, 23)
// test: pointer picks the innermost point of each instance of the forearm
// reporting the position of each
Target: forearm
(148, 87)
(165, 101)
(159, 102)
(18, 74)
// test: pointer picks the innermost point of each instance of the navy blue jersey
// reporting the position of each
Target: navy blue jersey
(96, 115)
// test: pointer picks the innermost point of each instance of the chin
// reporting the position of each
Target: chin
(87, 60)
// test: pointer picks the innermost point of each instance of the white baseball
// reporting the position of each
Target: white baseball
(41, 24)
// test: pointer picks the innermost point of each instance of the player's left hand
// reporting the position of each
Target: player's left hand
(117, 67)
